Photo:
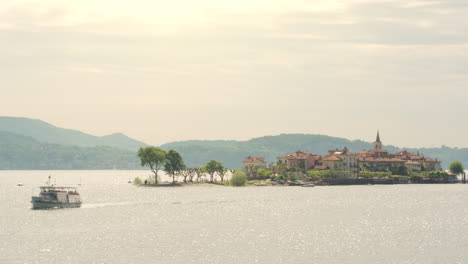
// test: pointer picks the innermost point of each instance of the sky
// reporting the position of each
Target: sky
(171, 70)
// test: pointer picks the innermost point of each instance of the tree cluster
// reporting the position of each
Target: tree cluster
(172, 163)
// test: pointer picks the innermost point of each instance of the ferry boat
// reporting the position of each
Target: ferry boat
(56, 197)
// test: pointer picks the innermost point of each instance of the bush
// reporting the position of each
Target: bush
(137, 181)
(238, 178)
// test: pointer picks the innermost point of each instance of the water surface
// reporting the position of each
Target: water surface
(122, 223)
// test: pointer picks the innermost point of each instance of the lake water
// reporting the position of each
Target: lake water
(122, 223)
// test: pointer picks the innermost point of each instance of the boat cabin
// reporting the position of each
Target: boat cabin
(55, 189)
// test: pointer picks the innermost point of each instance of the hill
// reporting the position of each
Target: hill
(47, 133)
(18, 152)
(231, 153)
(34, 144)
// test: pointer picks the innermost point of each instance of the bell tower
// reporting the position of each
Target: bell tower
(378, 143)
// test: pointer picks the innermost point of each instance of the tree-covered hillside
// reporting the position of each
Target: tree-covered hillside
(19, 152)
(33, 144)
(47, 133)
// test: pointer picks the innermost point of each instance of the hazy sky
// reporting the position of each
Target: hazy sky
(169, 70)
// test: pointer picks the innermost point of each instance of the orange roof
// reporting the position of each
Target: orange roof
(331, 158)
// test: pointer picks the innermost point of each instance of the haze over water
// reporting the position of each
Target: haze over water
(122, 223)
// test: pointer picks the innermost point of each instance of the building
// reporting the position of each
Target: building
(340, 160)
(376, 159)
(299, 159)
(255, 162)
(379, 159)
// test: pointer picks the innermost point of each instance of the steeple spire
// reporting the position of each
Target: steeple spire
(378, 143)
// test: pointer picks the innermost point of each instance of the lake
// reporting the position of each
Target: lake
(122, 223)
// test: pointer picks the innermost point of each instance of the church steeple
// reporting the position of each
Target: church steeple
(378, 143)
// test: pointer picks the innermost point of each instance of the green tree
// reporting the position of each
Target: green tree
(212, 167)
(174, 164)
(263, 174)
(402, 170)
(153, 157)
(238, 178)
(456, 167)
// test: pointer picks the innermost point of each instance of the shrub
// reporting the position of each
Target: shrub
(137, 181)
(238, 178)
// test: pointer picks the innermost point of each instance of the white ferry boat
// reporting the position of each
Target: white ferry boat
(56, 197)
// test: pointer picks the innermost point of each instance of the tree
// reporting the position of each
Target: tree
(263, 174)
(212, 167)
(222, 173)
(251, 170)
(457, 168)
(238, 178)
(191, 172)
(188, 173)
(153, 157)
(199, 171)
(279, 169)
(402, 170)
(174, 164)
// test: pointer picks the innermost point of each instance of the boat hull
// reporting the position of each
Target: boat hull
(38, 204)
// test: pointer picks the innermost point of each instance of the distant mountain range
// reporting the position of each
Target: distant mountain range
(34, 144)
(47, 133)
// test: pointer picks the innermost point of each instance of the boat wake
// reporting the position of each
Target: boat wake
(105, 205)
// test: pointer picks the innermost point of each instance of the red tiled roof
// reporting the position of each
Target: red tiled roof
(332, 158)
